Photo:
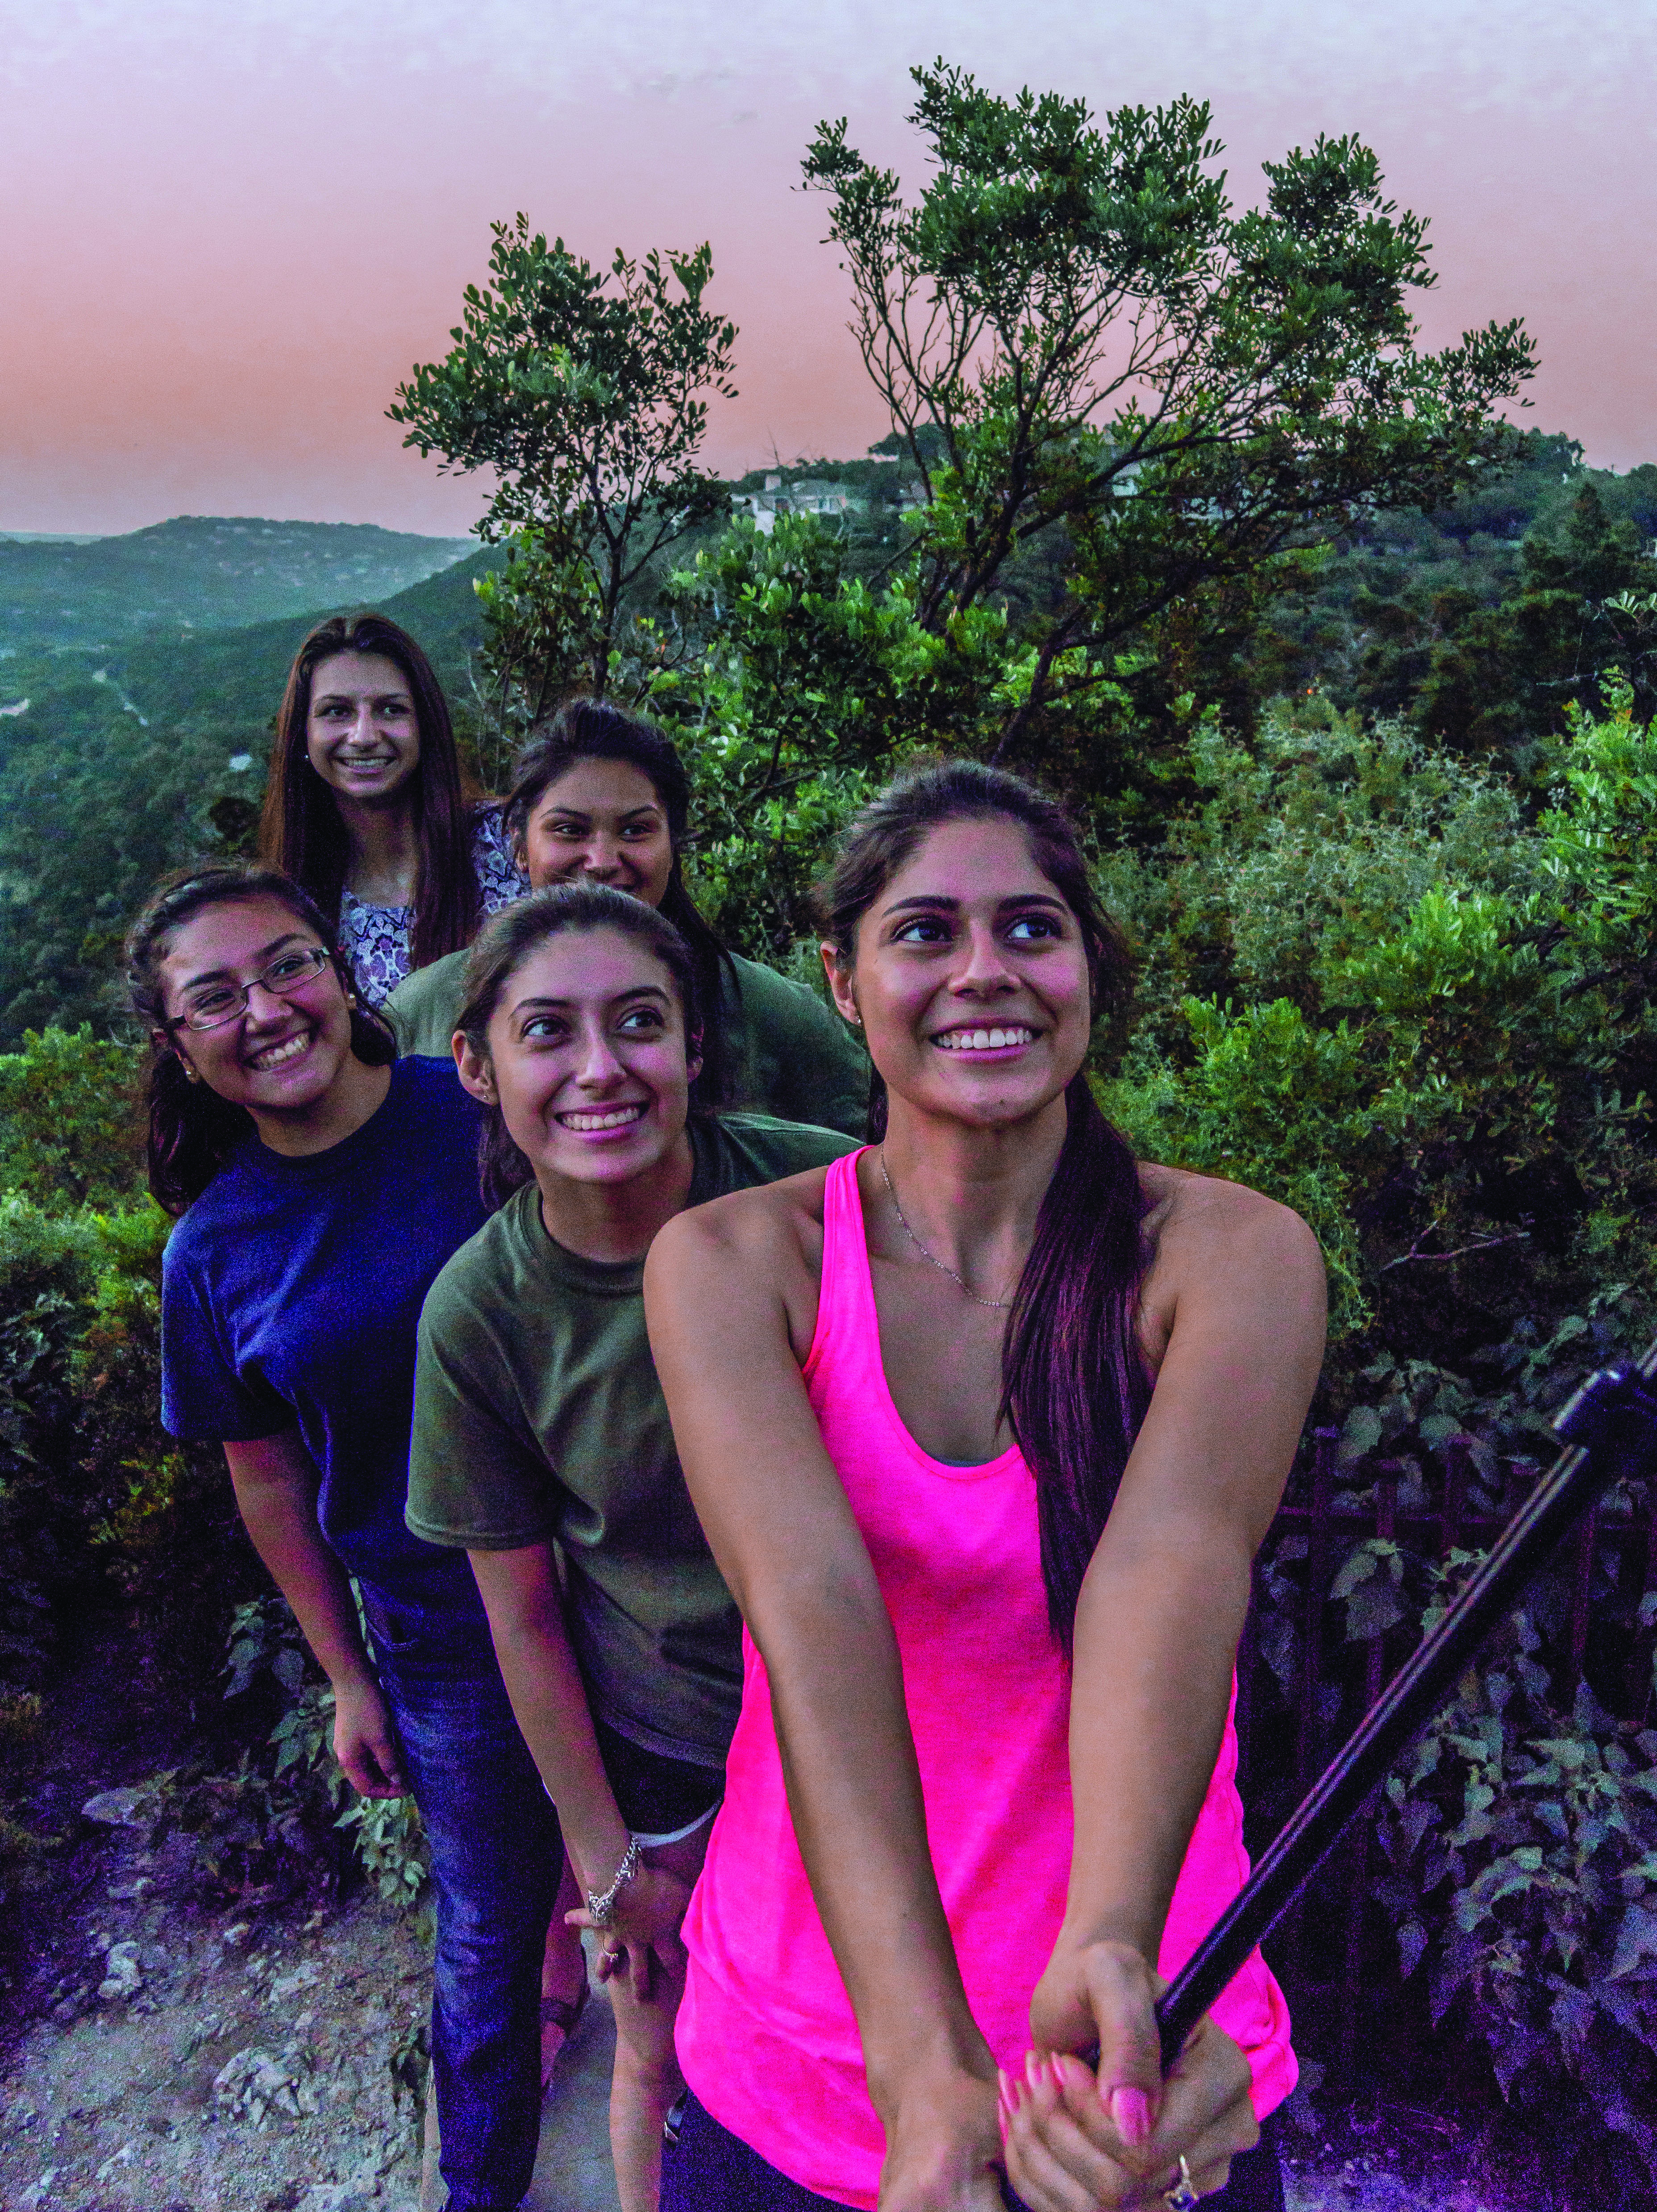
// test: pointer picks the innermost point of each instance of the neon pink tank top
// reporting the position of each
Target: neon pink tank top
(766, 2033)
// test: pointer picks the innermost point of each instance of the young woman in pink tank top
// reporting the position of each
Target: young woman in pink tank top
(985, 1424)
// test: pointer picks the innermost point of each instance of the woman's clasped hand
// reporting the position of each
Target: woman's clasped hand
(1077, 2136)
(1065, 2135)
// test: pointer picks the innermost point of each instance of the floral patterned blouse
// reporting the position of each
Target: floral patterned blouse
(375, 938)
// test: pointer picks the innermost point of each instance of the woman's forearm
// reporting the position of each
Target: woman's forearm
(275, 1480)
(522, 1598)
(1156, 1632)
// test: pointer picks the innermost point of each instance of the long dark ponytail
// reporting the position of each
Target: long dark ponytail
(507, 939)
(1074, 1384)
(189, 1132)
(592, 729)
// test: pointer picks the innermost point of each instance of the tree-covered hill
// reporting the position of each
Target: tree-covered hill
(202, 571)
(234, 677)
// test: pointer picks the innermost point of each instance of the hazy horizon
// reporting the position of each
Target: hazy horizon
(234, 230)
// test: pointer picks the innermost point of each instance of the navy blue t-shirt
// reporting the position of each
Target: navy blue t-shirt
(290, 1290)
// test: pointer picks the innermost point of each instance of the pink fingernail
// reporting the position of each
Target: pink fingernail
(1130, 2109)
(1032, 2069)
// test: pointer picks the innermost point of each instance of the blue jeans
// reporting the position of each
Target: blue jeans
(706, 2169)
(496, 1856)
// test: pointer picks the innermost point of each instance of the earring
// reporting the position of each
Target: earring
(190, 1074)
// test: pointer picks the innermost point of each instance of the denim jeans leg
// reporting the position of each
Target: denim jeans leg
(496, 1856)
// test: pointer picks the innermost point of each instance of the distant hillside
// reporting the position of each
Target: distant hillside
(234, 679)
(202, 573)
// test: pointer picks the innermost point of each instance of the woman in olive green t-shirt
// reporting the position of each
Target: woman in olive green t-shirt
(602, 797)
(539, 1429)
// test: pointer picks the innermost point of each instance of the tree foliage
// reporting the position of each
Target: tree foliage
(583, 390)
(1103, 346)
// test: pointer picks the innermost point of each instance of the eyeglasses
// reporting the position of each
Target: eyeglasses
(218, 1002)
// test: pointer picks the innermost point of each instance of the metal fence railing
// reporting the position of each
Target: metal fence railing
(1290, 1729)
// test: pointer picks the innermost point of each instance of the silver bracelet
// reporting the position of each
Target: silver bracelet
(601, 1904)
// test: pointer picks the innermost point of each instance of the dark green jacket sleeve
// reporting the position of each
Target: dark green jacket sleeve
(794, 1056)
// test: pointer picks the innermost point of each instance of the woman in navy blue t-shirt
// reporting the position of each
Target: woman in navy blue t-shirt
(320, 1186)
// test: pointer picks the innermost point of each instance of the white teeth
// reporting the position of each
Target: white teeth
(983, 1040)
(279, 1053)
(617, 1117)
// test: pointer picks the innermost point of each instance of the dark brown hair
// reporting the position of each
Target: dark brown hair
(1074, 1385)
(190, 1131)
(301, 830)
(592, 729)
(507, 939)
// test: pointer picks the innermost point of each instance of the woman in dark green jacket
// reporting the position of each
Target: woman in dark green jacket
(602, 797)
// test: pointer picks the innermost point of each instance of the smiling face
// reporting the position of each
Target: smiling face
(970, 978)
(600, 823)
(587, 1059)
(363, 734)
(283, 1052)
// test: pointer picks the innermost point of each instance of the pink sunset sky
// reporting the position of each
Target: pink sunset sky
(231, 226)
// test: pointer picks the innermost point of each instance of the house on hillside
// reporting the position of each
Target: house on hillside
(808, 496)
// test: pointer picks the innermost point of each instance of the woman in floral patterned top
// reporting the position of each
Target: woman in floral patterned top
(368, 808)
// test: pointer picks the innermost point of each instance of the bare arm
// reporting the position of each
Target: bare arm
(1240, 1285)
(782, 1531)
(1164, 1599)
(521, 1595)
(275, 1479)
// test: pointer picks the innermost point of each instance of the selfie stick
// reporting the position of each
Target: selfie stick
(1610, 1429)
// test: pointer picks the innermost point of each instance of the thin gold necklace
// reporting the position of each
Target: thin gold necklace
(1001, 1305)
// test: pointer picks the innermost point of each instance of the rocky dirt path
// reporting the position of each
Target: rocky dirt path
(229, 2064)
(161, 2053)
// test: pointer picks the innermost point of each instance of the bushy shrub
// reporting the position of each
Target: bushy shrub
(1373, 988)
(69, 1119)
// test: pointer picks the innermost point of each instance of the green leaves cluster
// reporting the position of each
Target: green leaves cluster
(584, 392)
(1078, 334)
(1522, 1843)
(1377, 989)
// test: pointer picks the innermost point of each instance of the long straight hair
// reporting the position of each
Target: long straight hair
(592, 729)
(506, 942)
(189, 1132)
(301, 831)
(1074, 1383)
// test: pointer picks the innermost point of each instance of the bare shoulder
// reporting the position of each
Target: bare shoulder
(745, 1224)
(750, 1253)
(1204, 1217)
(742, 1271)
(1218, 1247)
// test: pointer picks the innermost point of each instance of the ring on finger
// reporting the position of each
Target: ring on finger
(1182, 2196)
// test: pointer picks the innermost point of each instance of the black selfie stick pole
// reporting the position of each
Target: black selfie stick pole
(1610, 1429)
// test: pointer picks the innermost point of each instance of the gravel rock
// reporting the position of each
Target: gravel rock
(255, 2083)
(126, 1976)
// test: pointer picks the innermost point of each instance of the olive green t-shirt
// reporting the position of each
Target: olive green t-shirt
(790, 1055)
(538, 1416)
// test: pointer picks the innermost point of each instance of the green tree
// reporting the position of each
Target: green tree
(585, 391)
(1584, 609)
(1076, 334)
